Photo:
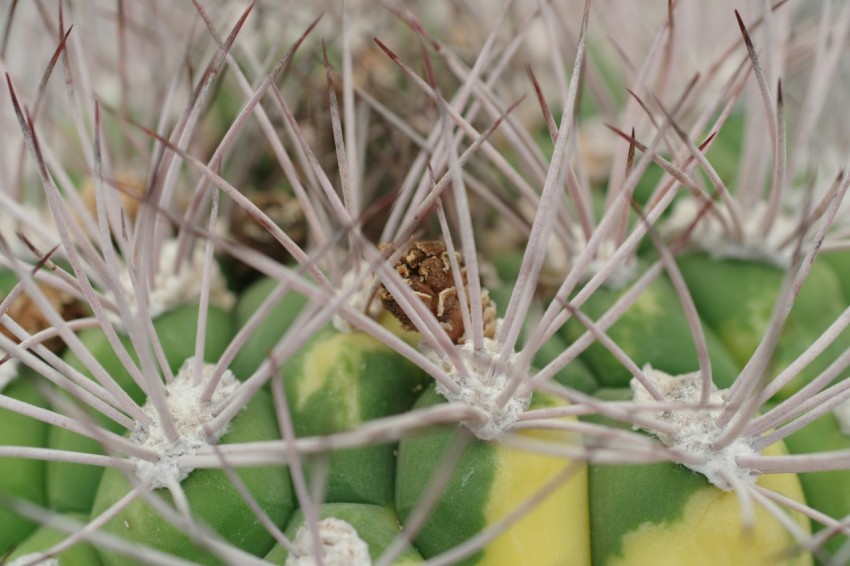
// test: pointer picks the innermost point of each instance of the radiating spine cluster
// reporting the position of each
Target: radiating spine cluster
(477, 285)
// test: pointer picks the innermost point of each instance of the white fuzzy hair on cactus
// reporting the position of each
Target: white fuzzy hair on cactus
(453, 282)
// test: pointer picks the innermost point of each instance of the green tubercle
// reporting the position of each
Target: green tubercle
(45, 538)
(21, 478)
(258, 345)
(653, 331)
(211, 495)
(485, 483)
(338, 381)
(736, 299)
(377, 526)
(71, 487)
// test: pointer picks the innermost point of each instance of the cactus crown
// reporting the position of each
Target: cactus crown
(551, 288)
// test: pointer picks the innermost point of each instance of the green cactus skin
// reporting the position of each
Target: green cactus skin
(839, 262)
(486, 482)
(828, 492)
(270, 330)
(71, 487)
(45, 538)
(21, 478)
(736, 299)
(376, 526)
(653, 331)
(338, 381)
(212, 497)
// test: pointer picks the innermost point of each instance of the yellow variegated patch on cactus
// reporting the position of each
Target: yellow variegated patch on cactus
(383, 273)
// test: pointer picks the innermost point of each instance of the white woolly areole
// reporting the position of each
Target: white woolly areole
(483, 389)
(696, 429)
(34, 558)
(363, 299)
(8, 370)
(623, 274)
(842, 415)
(190, 416)
(341, 545)
(712, 235)
(562, 256)
(171, 289)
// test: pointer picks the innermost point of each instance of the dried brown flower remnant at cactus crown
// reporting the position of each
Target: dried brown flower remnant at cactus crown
(283, 210)
(26, 312)
(130, 189)
(426, 268)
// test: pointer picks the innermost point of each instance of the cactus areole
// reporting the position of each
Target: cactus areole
(506, 284)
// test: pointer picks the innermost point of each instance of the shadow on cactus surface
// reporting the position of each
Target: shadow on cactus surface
(456, 282)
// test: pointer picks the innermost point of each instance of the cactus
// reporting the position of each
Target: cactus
(274, 298)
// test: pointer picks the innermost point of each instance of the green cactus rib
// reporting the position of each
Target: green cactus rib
(21, 478)
(71, 487)
(214, 500)
(367, 153)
